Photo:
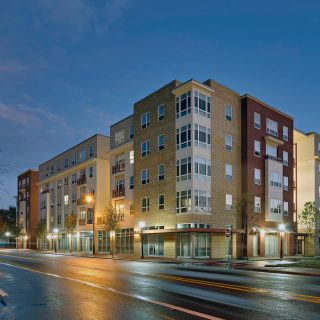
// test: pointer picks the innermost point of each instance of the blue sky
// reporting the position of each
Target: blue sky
(68, 69)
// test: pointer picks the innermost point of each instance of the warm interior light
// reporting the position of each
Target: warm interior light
(89, 198)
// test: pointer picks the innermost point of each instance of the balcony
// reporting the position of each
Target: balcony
(268, 157)
(82, 180)
(118, 193)
(119, 167)
(82, 222)
(81, 201)
(46, 190)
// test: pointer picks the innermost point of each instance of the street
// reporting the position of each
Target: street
(49, 286)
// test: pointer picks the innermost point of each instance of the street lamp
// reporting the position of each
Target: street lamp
(141, 226)
(89, 200)
(55, 231)
(282, 229)
(7, 234)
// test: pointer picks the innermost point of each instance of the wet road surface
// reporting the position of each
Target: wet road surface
(48, 286)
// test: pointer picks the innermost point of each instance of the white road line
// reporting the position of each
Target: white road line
(2, 293)
(142, 298)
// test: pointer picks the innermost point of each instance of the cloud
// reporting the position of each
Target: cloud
(11, 66)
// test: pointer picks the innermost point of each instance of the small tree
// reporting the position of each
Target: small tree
(111, 222)
(70, 224)
(41, 230)
(17, 232)
(241, 209)
(310, 217)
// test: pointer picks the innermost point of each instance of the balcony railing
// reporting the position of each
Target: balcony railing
(268, 157)
(82, 222)
(119, 167)
(118, 193)
(82, 180)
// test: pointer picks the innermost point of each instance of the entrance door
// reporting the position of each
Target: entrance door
(271, 245)
(155, 245)
(255, 245)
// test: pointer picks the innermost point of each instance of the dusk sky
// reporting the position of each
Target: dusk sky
(68, 69)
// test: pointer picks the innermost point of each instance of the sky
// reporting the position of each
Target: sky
(69, 69)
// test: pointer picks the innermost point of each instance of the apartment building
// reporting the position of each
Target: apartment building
(65, 182)
(307, 183)
(27, 208)
(267, 176)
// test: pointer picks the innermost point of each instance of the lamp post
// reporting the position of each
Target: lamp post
(89, 200)
(7, 234)
(282, 228)
(141, 226)
(55, 231)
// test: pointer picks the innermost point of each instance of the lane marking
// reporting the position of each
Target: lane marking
(3, 294)
(131, 295)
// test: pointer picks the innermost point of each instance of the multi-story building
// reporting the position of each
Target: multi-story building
(307, 182)
(65, 181)
(267, 176)
(27, 208)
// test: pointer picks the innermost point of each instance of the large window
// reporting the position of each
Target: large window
(257, 176)
(184, 137)
(285, 183)
(184, 244)
(202, 168)
(183, 169)
(74, 159)
(272, 127)
(257, 148)
(119, 137)
(161, 201)
(285, 208)
(271, 150)
(124, 241)
(145, 120)
(145, 176)
(229, 172)
(183, 201)
(202, 201)
(257, 204)
(202, 136)
(161, 112)
(285, 133)
(275, 205)
(228, 142)
(131, 156)
(160, 142)
(275, 179)
(202, 245)
(228, 113)
(161, 174)
(202, 104)
(285, 158)
(257, 120)
(131, 182)
(145, 204)
(145, 148)
(183, 104)
(228, 201)
(131, 131)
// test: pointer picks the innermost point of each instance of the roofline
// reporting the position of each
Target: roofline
(222, 85)
(195, 82)
(246, 95)
(31, 170)
(131, 115)
(95, 135)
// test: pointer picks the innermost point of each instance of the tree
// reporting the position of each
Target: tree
(41, 230)
(7, 219)
(70, 223)
(241, 209)
(16, 231)
(111, 222)
(310, 217)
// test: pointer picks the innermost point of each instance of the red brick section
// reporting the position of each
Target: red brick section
(250, 161)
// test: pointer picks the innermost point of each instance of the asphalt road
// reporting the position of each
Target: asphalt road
(47, 286)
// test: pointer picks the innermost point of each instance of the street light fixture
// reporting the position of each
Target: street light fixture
(282, 229)
(90, 199)
(141, 226)
(55, 231)
(7, 234)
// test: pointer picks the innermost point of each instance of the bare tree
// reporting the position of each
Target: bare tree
(70, 224)
(41, 231)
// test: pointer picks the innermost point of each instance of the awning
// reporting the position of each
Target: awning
(270, 229)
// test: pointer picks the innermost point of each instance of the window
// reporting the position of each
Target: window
(228, 113)
(66, 181)
(285, 208)
(161, 172)
(257, 148)
(59, 166)
(285, 133)
(66, 199)
(131, 131)
(183, 201)
(275, 206)
(271, 151)
(145, 120)
(161, 142)
(90, 172)
(91, 151)
(257, 204)
(183, 104)
(160, 112)
(229, 172)
(228, 142)
(82, 156)
(145, 176)
(285, 158)
(119, 137)
(228, 201)
(145, 147)
(202, 104)
(74, 178)
(257, 176)
(202, 168)
(145, 204)
(275, 179)
(161, 201)
(131, 210)
(131, 157)
(120, 184)
(59, 219)
(318, 147)
(74, 159)
(52, 170)
(59, 184)
(272, 127)
(184, 137)
(257, 121)
(202, 201)
(131, 182)
(202, 136)
(74, 198)
(183, 167)
(285, 183)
